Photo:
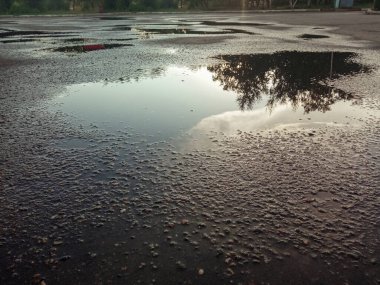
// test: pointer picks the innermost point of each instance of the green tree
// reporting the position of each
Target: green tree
(53, 5)
(298, 78)
(376, 4)
(5, 5)
(121, 5)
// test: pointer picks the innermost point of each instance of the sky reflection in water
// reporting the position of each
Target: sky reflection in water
(246, 92)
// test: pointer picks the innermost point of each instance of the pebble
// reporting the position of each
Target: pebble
(180, 265)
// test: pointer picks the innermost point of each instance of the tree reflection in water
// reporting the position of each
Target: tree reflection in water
(298, 78)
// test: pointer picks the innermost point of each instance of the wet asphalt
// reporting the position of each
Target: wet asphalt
(81, 204)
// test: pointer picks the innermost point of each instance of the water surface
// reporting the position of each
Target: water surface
(244, 92)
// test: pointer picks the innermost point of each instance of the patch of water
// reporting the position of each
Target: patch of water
(312, 36)
(187, 31)
(244, 92)
(13, 33)
(18, 41)
(88, 48)
(163, 106)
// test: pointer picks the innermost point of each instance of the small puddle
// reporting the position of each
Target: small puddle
(18, 41)
(245, 92)
(121, 28)
(191, 31)
(77, 40)
(214, 23)
(115, 18)
(88, 48)
(30, 33)
(53, 36)
(14, 37)
(123, 40)
(312, 36)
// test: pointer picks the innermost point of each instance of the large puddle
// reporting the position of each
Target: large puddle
(150, 195)
(244, 93)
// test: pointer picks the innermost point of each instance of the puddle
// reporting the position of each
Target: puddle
(12, 36)
(214, 23)
(161, 107)
(312, 36)
(121, 28)
(52, 36)
(18, 41)
(88, 48)
(76, 40)
(191, 32)
(29, 33)
(115, 18)
(246, 92)
(123, 40)
(20, 33)
(181, 29)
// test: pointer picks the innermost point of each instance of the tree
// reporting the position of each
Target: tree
(122, 5)
(376, 4)
(292, 4)
(56, 5)
(286, 77)
(5, 5)
(198, 4)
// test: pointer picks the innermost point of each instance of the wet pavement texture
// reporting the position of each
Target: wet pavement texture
(210, 156)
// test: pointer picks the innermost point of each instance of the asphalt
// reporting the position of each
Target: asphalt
(81, 203)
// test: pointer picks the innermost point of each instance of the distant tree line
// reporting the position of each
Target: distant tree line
(31, 6)
(44, 6)
(41, 6)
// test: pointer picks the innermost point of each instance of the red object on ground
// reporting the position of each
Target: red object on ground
(93, 47)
